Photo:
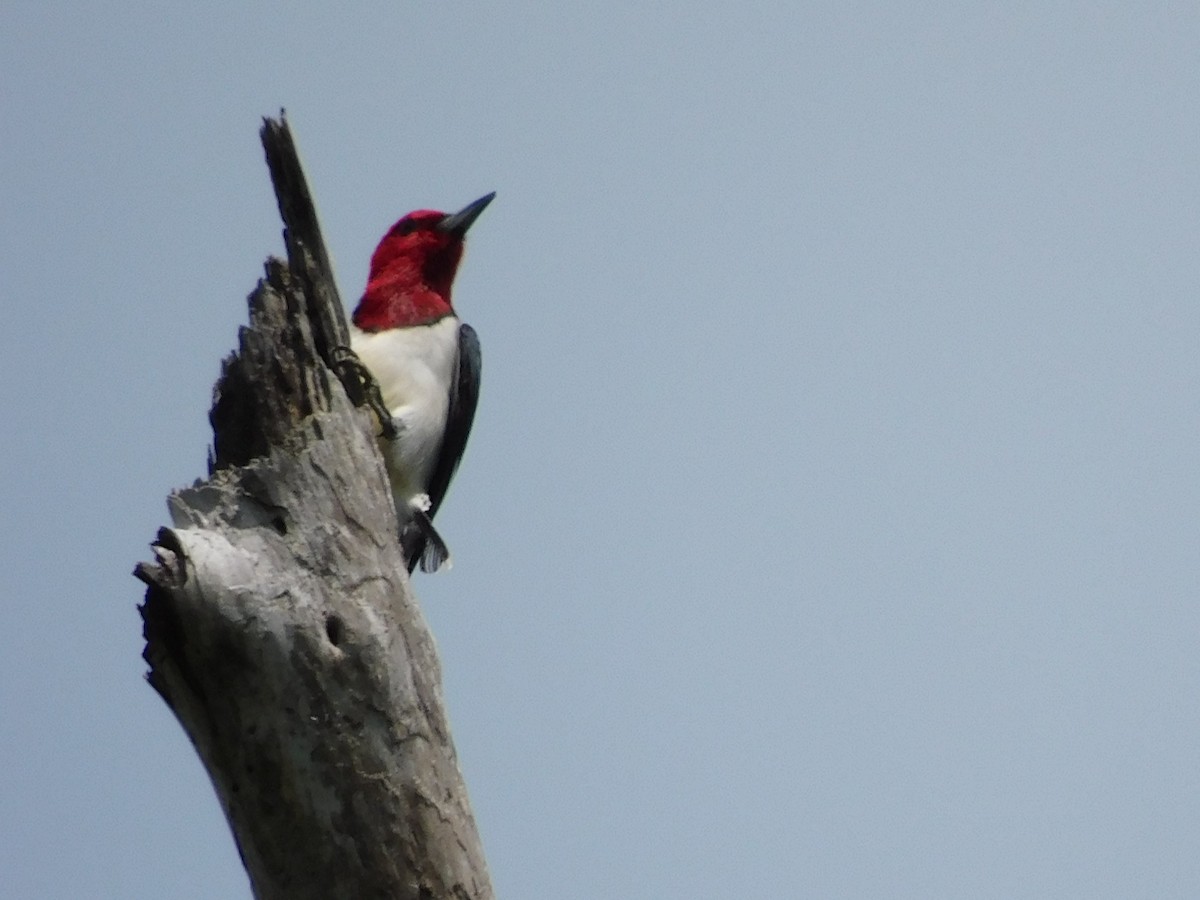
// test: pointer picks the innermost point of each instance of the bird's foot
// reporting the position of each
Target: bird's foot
(345, 362)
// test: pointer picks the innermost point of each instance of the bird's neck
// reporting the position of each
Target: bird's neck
(387, 304)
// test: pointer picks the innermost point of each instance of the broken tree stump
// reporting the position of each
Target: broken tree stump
(279, 621)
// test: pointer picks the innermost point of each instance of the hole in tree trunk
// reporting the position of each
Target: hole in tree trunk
(334, 629)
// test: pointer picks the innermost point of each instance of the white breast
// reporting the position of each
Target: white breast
(415, 368)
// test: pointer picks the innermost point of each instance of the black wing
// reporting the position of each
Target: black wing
(464, 396)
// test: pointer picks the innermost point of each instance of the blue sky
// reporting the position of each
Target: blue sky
(831, 523)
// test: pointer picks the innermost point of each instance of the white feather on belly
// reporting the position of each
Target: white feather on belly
(415, 369)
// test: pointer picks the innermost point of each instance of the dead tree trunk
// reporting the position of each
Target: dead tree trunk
(279, 623)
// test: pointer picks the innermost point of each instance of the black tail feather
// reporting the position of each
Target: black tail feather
(421, 543)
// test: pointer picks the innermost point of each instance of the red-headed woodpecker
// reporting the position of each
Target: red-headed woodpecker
(426, 361)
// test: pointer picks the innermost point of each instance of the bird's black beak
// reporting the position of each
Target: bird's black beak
(458, 223)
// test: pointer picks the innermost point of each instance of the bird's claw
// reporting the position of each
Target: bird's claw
(346, 360)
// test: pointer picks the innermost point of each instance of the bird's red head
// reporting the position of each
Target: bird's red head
(412, 269)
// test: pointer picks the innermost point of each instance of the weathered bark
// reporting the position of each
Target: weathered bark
(279, 623)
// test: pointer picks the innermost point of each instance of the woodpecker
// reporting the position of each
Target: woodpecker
(427, 362)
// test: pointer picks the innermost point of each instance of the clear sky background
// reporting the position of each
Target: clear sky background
(831, 523)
